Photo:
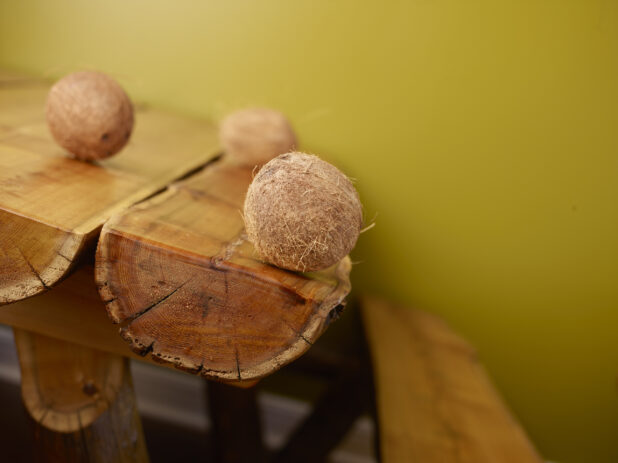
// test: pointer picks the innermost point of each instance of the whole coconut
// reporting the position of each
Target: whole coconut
(89, 115)
(256, 135)
(301, 213)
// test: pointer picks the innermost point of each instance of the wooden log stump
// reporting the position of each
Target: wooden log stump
(81, 402)
(179, 276)
(52, 207)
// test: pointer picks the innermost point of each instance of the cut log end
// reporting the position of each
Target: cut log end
(65, 388)
(80, 402)
(37, 258)
(212, 317)
(186, 287)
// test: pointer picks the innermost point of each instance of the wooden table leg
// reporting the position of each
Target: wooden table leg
(334, 414)
(349, 395)
(81, 402)
(236, 428)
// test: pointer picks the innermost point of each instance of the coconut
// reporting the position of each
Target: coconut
(302, 213)
(256, 135)
(89, 115)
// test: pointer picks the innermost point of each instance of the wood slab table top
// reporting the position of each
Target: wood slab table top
(179, 276)
(173, 268)
(52, 207)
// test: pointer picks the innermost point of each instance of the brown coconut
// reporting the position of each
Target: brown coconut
(89, 115)
(301, 213)
(256, 135)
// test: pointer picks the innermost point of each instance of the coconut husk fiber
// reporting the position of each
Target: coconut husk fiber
(301, 213)
(254, 136)
(89, 115)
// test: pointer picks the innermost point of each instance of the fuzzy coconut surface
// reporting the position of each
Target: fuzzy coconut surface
(254, 136)
(89, 115)
(302, 213)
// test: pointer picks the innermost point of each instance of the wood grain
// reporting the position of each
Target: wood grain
(52, 207)
(81, 402)
(435, 400)
(177, 273)
(73, 312)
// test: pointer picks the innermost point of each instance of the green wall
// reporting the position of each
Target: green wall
(483, 134)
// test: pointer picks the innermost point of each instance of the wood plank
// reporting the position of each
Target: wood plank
(179, 275)
(435, 400)
(52, 207)
(81, 402)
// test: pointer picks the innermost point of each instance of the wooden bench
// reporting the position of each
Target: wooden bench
(435, 401)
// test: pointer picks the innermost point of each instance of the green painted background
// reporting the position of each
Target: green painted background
(484, 134)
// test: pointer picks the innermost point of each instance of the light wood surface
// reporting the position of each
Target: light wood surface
(177, 273)
(435, 400)
(52, 207)
(81, 402)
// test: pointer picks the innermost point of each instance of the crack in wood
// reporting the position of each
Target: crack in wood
(298, 333)
(237, 365)
(200, 168)
(147, 350)
(133, 317)
(33, 270)
(64, 257)
(199, 194)
(174, 182)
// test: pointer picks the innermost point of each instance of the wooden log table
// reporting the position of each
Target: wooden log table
(173, 274)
